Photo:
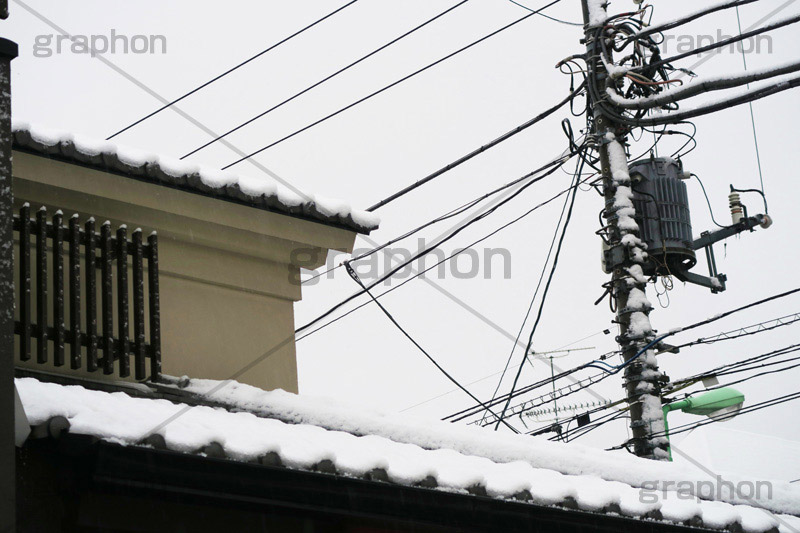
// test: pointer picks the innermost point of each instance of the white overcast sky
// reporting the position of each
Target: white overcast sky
(400, 136)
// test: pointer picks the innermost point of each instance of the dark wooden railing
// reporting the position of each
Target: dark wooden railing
(113, 249)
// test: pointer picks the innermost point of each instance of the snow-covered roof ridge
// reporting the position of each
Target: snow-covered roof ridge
(261, 193)
(567, 459)
(122, 419)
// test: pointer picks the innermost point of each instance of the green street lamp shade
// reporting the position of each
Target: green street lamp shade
(721, 404)
(717, 404)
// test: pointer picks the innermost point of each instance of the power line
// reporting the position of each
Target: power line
(455, 232)
(736, 366)
(721, 43)
(652, 89)
(478, 151)
(489, 376)
(220, 76)
(450, 214)
(355, 277)
(660, 28)
(327, 78)
(451, 256)
(605, 419)
(702, 87)
(752, 114)
(387, 87)
(547, 16)
(746, 330)
(474, 409)
(761, 374)
(533, 298)
(546, 287)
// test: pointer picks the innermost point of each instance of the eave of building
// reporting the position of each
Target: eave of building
(155, 170)
(594, 496)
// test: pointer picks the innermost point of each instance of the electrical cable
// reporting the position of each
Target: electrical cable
(448, 258)
(473, 410)
(547, 16)
(598, 423)
(711, 211)
(492, 375)
(243, 63)
(660, 28)
(387, 87)
(780, 322)
(736, 366)
(355, 277)
(429, 248)
(478, 151)
(673, 115)
(327, 78)
(535, 294)
(710, 85)
(752, 113)
(725, 42)
(546, 289)
(450, 214)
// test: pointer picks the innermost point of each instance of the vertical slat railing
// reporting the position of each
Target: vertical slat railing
(107, 313)
(111, 247)
(58, 289)
(25, 282)
(41, 286)
(155, 306)
(139, 350)
(75, 293)
(123, 344)
(91, 296)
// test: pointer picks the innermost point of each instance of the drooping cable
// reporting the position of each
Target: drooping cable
(480, 150)
(386, 87)
(568, 23)
(533, 298)
(391, 318)
(236, 67)
(325, 79)
(553, 268)
(450, 214)
(428, 249)
(610, 370)
(752, 113)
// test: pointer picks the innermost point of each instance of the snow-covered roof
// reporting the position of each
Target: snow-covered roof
(260, 193)
(249, 424)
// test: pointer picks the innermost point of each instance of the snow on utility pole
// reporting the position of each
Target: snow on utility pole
(8, 51)
(625, 256)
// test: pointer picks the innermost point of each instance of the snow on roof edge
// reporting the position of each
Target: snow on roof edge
(261, 193)
(125, 420)
(565, 458)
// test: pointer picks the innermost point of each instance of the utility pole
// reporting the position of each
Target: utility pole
(8, 51)
(625, 254)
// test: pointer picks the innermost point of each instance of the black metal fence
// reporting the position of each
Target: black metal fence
(111, 249)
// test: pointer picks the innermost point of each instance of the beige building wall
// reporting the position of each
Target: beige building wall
(227, 275)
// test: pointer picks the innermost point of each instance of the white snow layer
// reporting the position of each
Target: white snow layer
(570, 459)
(597, 12)
(214, 178)
(457, 457)
(676, 92)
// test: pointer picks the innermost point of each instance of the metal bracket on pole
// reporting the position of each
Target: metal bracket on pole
(716, 281)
